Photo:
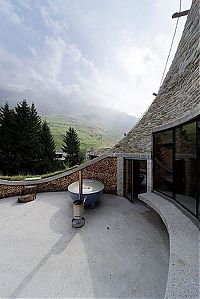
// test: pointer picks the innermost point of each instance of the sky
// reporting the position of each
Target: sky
(96, 52)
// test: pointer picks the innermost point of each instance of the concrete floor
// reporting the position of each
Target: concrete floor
(121, 252)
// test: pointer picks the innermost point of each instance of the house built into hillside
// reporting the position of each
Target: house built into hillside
(158, 162)
(162, 152)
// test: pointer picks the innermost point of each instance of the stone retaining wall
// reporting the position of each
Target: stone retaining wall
(104, 170)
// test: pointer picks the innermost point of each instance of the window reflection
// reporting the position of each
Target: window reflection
(198, 159)
(176, 171)
(135, 178)
(128, 179)
(163, 162)
(185, 166)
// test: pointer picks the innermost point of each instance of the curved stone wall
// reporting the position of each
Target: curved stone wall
(178, 95)
(103, 169)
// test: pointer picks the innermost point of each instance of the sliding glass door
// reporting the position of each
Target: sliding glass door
(176, 164)
(135, 178)
(163, 162)
(198, 168)
(185, 171)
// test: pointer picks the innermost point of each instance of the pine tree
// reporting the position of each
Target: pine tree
(71, 146)
(27, 145)
(7, 154)
(47, 149)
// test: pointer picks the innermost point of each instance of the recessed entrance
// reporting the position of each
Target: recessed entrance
(135, 178)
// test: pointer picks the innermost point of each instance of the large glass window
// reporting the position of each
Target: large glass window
(176, 164)
(198, 169)
(135, 178)
(163, 162)
(185, 166)
(128, 179)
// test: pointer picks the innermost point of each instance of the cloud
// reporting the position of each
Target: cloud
(6, 9)
(24, 4)
(54, 73)
(66, 54)
(135, 60)
(57, 27)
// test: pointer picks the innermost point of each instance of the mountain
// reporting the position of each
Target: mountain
(97, 128)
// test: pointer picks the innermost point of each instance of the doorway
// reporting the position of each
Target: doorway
(135, 178)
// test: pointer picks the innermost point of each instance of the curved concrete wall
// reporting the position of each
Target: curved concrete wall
(183, 275)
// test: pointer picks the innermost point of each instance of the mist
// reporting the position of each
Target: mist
(68, 55)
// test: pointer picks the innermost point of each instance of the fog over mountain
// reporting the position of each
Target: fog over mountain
(69, 55)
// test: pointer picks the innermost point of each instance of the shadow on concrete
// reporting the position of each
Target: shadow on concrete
(57, 223)
(109, 242)
(57, 248)
(114, 274)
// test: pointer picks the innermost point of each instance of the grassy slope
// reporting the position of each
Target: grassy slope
(22, 177)
(92, 134)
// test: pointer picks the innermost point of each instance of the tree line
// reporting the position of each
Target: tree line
(26, 143)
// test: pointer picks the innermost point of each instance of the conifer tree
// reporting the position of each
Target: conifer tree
(71, 146)
(28, 146)
(7, 154)
(47, 149)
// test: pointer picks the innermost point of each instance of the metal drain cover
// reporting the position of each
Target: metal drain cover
(78, 222)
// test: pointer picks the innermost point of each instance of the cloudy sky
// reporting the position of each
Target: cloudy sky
(105, 52)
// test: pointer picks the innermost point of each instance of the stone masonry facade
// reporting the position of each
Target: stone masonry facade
(104, 170)
(178, 95)
(178, 100)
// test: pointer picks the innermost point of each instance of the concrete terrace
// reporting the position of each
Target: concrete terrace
(121, 252)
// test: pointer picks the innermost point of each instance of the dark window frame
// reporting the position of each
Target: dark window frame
(157, 190)
(132, 171)
(197, 198)
(198, 166)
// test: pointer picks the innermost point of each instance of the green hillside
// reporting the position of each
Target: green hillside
(92, 133)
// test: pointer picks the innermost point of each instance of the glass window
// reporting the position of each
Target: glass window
(135, 178)
(198, 160)
(142, 177)
(163, 162)
(176, 170)
(128, 179)
(185, 166)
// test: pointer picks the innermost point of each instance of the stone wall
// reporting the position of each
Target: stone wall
(8, 190)
(178, 95)
(104, 170)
